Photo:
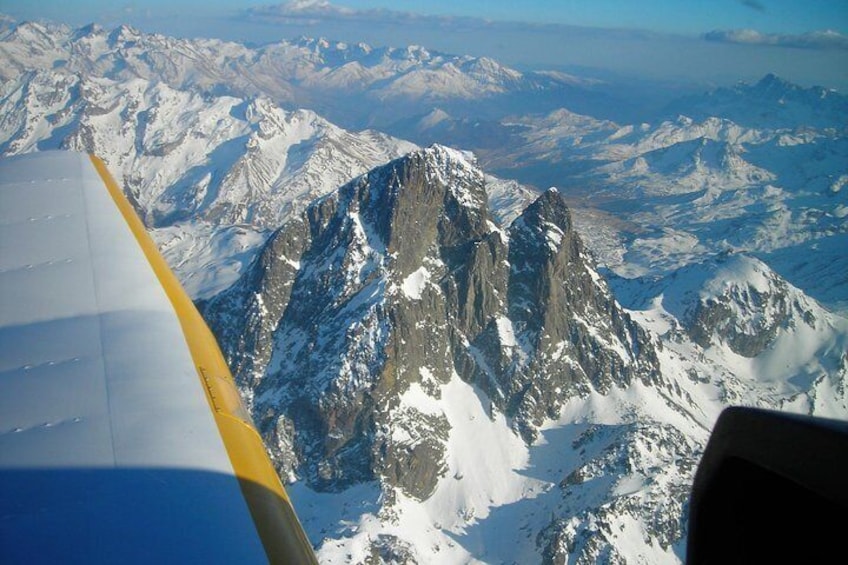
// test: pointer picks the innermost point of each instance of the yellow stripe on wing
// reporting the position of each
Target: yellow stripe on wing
(276, 522)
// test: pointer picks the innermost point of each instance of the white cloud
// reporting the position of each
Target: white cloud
(315, 12)
(827, 39)
(311, 12)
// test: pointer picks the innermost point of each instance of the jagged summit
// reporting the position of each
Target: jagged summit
(89, 30)
(448, 163)
(549, 207)
(401, 280)
(772, 103)
(446, 156)
(737, 302)
(774, 84)
(123, 34)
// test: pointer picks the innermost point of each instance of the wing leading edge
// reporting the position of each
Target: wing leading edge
(122, 435)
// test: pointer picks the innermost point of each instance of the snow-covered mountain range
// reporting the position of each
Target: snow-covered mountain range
(771, 103)
(210, 174)
(355, 85)
(677, 190)
(432, 353)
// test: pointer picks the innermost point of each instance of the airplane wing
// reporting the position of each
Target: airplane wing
(122, 435)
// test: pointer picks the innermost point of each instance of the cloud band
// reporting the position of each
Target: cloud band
(827, 39)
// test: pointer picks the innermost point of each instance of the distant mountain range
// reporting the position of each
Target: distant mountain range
(355, 85)
(771, 103)
(452, 366)
(681, 189)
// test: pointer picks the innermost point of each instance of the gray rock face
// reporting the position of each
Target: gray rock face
(563, 312)
(402, 278)
(246, 315)
(726, 315)
(738, 301)
(604, 452)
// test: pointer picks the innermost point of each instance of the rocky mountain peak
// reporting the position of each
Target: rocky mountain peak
(738, 301)
(123, 35)
(773, 84)
(88, 32)
(548, 212)
(771, 103)
(400, 281)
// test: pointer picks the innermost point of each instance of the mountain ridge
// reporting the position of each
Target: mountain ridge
(192, 163)
(302, 72)
(527, 349)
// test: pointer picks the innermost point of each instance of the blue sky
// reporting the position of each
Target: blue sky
(676, 16)
(679, 16)
(707, 41)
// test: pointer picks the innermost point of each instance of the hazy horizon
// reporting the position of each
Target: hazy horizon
(733, 40)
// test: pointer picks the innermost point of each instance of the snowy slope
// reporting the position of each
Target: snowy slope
(185, 155)
(749, 333)
(607, 479)
(193, 164)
